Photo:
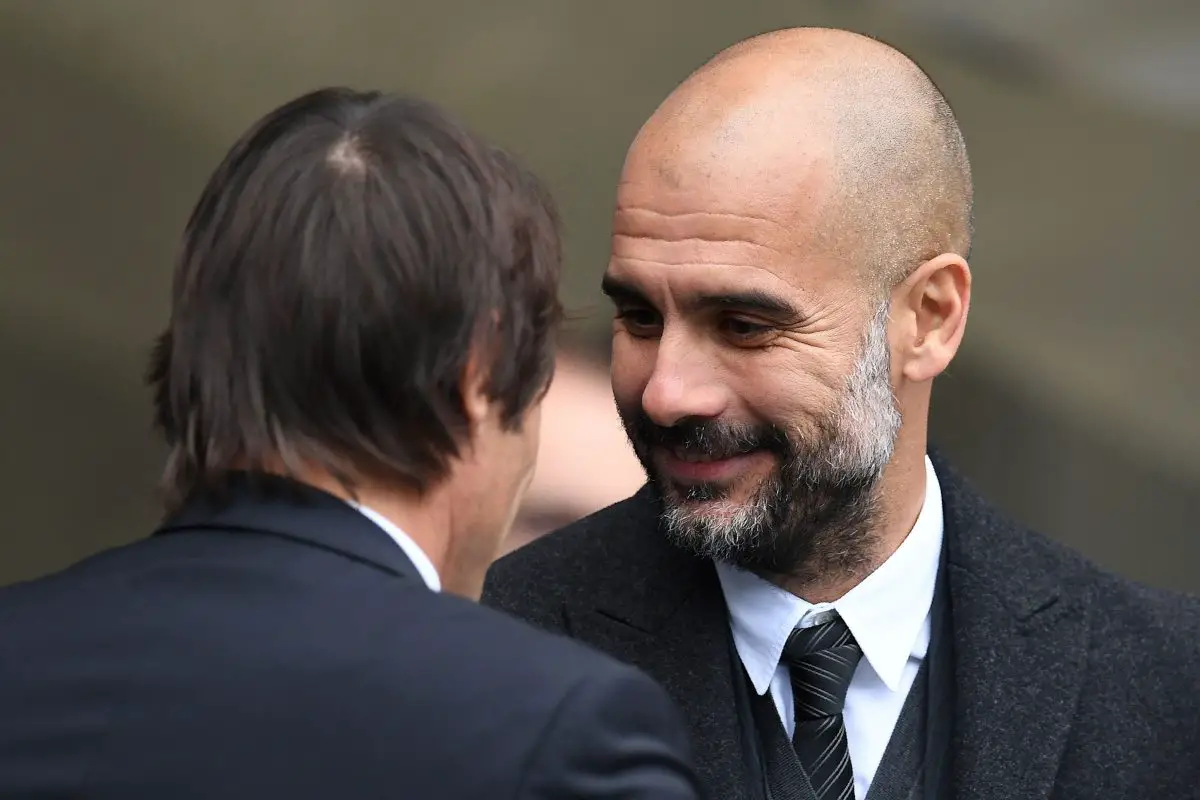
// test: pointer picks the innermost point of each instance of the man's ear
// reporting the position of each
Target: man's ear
(932, 303)
(476, 402)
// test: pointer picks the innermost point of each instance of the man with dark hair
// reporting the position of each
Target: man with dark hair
(838, 612)
(361, 335)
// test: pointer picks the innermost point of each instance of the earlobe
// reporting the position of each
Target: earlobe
(939, 298)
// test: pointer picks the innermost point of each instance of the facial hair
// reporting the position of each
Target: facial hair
(814, 516)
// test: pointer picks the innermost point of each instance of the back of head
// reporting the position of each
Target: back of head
(348, 258)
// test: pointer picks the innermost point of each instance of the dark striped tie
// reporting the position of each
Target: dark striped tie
(821, 660)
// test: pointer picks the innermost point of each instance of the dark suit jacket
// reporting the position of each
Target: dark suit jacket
(285, 647)
(1070, 683)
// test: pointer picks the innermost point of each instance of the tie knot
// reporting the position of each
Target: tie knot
(822, 660)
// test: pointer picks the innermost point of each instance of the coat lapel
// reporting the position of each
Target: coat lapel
(667, 616)
(1020, 646)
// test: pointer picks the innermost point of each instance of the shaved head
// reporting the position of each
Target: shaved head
(835, 134)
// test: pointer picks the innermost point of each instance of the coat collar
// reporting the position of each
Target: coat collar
(255, 503)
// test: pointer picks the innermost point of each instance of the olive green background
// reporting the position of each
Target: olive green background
(1073, 402)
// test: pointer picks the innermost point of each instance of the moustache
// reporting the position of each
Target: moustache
(710, 438)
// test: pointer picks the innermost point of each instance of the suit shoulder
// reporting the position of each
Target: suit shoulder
(1118, 602)
(1136, 618)
(1134, 625)
(1008, 558)
(1123, 607)
(616, 737)
(1143, 661)
(572, 717)
(539, 573)
(531, 655)
(590, 535)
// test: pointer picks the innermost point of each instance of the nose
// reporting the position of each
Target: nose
(684, 384)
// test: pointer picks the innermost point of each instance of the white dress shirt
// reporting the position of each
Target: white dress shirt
(889, 615)
(428, 571)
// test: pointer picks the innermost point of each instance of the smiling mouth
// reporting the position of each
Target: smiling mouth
(691, 455)
(691, 466)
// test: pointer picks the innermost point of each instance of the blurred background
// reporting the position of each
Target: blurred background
(1073, 403)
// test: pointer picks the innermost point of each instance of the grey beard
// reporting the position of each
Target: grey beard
(814, 517)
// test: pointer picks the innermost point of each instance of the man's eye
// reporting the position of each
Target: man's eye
(743, 328)
(639, 320)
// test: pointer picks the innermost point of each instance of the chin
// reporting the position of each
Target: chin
(717, 508)
(727, 516)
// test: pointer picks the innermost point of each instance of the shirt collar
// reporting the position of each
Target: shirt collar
(424, 566)
(888, 612)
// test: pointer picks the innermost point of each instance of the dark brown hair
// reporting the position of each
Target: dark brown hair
(348, 257)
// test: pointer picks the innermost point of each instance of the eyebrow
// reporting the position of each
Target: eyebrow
(620, 292)
(752, 300)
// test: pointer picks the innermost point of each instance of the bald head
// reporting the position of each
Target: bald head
(835, 134)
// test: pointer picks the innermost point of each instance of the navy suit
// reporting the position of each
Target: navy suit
(279, 644)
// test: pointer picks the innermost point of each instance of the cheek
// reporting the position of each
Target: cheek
(790, 392)
(631, 369)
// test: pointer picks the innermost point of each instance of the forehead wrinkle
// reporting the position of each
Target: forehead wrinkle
(686, 249)
(699, 251)
(633, 224)
(771, 201)
(686, 263)
(641, 209)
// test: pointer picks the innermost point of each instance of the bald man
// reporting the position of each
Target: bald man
(836, 610)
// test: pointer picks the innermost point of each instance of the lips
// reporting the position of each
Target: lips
(693, 466)
(692, 455)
